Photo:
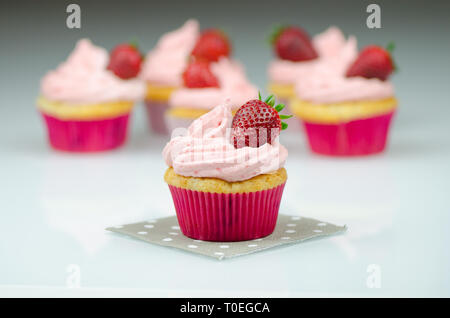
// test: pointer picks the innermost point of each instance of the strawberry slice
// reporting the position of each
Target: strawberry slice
(293, 43)
(257, 122)
(373, 62)
(125, 61)
(198, 75)
(211, 45)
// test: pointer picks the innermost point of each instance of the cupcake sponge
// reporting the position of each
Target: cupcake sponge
(257, 183)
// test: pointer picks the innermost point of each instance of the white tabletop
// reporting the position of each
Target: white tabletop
(55, 207)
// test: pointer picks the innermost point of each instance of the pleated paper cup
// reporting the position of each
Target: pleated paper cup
(227, 217)
(156, 117)
(354, 138)
(86, 135)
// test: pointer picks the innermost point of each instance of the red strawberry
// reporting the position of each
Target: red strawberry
(211, 45)
(198, 75)
(257, 122)
(373, 62)
(293, 44)
(125, 61)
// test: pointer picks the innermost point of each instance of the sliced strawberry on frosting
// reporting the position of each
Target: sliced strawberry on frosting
(257, 122)
(198, 75)
(211, 45)
(125, 61)
(293, 43)
(373, 62)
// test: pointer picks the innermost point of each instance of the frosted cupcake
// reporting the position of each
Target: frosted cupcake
(163, 68)
(346, 109)
(225, 190)
(86, 106)
(297, 56)
(208, 84)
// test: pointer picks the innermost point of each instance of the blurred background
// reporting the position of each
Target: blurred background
(55, 205)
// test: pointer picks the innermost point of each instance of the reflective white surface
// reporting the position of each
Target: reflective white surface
(55, 207)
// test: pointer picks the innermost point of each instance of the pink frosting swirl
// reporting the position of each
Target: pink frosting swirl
(167, 61)
(233, 83)
(206, 151)
(331, 46)
(83, 78)
(325, 87)
(326, 81)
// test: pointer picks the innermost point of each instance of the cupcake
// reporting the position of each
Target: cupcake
(227, 185)
(205, 84)
(162, 71)
(297, 56)
(346, 108)
(85, 105)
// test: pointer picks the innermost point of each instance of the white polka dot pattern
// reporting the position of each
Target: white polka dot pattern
(167, 232)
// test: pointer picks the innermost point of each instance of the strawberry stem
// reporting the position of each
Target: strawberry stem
(277, 30)
(279, 107)
(390, 47)
(134, 43)
(271, 102)
(268, 99)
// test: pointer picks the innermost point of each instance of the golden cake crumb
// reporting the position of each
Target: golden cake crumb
(67, 111)
(341, 112)
(159, 93)
(257, 183)
(283, 91)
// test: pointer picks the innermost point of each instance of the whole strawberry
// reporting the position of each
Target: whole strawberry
(293, 44)
(125, 61)
(257, 122)
(198, 75)
(373, 62)
(211, 45)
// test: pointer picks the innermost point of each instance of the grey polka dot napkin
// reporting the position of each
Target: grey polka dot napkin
(166, 232)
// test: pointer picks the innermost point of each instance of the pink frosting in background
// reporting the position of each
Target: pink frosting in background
(83, 78)
(167, 61)
(326, 81)
(327, 87)
(206, 151)
(233, 83)
(331, 46)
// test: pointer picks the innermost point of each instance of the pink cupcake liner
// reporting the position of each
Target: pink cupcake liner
(354, 138)
(156, 117)
(86, 135)
(227, 217)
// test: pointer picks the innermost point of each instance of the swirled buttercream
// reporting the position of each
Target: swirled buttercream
(332, 48)
(326, 87)
(167, 61)
(83, 78)
(206, 151)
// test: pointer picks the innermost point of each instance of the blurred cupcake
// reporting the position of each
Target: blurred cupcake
(224, 190)
(346, 108)
(207, 84)
(163, 68)
(297, 56)
(86, 106)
